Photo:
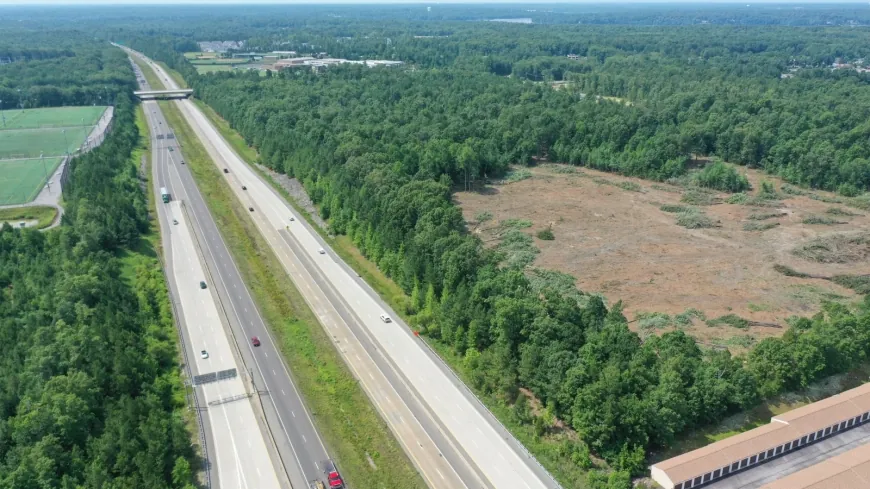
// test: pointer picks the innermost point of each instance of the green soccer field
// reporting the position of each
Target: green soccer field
(21, 180)
(50, 117)
(29, 143)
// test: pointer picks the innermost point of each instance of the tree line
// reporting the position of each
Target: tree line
(90, 392)
(56, 68)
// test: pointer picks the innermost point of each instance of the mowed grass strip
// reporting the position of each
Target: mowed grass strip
(349, 424)
(30, 143)
(202, 69)
(21, 180)
(52, 117)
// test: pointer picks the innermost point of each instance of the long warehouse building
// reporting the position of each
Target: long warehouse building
(850, 470)
(785, 433)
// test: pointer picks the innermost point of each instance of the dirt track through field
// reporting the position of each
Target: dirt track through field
(619, 243)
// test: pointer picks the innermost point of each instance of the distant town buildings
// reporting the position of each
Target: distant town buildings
(219, 46)
(318, 63)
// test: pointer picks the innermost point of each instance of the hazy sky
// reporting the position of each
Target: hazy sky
(421, 2)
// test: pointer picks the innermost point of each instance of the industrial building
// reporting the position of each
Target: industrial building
(320, 63)
(785, 433)
(850, 470)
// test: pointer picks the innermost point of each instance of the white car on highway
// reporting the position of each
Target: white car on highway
(386, 318)
(203, 354)
(321, 251)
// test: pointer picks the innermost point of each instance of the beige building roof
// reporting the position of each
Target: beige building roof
(850, 470)
(727, 451)
(826, 412)
(782, 429)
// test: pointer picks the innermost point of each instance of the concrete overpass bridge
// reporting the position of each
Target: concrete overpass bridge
(163, 94)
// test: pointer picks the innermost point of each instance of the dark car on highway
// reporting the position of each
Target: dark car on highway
(332, 475)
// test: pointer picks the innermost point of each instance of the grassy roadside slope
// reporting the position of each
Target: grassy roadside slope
(349, 424)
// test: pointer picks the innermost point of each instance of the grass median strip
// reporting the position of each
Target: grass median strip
(350, 425)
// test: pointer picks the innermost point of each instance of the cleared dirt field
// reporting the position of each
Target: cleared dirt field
(611, 234)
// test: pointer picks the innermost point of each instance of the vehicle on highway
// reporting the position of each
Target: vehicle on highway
(203, 354)
(165, 195)
(332, 475)
(244, 188)
(292, 218)
(175, 221)
(182, 162)
(255, 341)
(321, 251)
(226, 171)
(170, 149)
(386, 318)
(316, 484)
(251, 209)
(201, 285)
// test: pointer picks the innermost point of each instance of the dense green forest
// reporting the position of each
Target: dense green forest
(90, 393)
(56, 68)
(381, 150)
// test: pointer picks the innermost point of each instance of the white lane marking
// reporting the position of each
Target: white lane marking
(283, 393)
(439, 473)
(304, 440)
(267, 355)
(273, 372)
(293, 413)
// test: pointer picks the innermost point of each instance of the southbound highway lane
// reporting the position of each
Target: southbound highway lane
(298, 442)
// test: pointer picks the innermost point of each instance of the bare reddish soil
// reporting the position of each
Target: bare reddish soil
(619, 243)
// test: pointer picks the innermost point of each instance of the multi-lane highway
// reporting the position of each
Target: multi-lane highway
(451, 437)
(222, 319)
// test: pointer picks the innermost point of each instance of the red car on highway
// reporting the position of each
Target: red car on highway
(332, 475)
(255, 341)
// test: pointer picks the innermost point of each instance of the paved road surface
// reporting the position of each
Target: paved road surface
(240, 456)
(478, 449)
(301, 449)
